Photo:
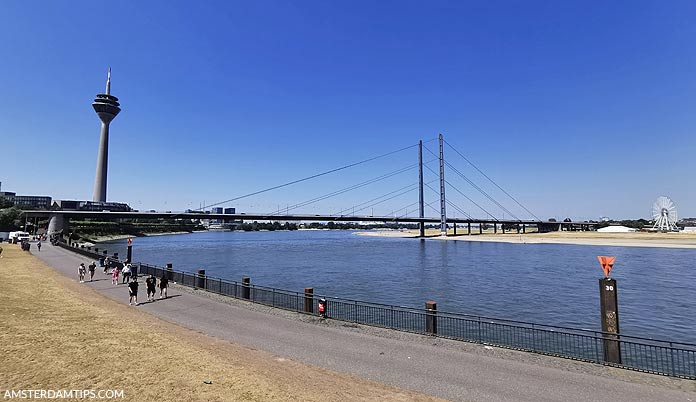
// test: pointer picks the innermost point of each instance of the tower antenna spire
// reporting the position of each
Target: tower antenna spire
(108, 82)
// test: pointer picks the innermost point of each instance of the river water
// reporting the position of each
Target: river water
(540, 283)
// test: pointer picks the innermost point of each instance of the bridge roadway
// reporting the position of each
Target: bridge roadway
(457, 371)
(276, 217)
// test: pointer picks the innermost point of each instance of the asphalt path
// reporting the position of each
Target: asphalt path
(451, 370)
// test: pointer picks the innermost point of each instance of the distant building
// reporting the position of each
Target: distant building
(26, 201)
(616, 229)
(216, 210)
(229, 211)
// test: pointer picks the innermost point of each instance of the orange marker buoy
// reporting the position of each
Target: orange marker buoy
(607, 263)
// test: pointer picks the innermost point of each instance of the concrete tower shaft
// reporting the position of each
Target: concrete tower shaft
(107, 107)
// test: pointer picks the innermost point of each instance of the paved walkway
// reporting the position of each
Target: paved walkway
(447, 369)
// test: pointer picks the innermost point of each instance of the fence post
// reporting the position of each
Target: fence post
(309, 300)
(246, 289)
(431, 317)
(200, 279)
(170, 274)
(129, 253)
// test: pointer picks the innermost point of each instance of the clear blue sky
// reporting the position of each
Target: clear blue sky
(577, 109)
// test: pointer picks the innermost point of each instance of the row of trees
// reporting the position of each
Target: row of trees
(256, 226)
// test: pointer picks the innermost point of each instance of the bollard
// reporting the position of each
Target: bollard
(431, 317)
(610, 319)
(309, 300)
(610, 311)
(246, 288)
(170, 274)
(106, 252)
(200, 280)
(129, 253)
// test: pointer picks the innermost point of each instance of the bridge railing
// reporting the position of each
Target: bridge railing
(642, 354)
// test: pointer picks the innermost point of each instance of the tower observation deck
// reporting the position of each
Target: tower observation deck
(107, 107)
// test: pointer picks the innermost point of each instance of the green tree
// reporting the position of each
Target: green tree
(11, 218)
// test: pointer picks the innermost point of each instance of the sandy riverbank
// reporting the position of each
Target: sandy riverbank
(64, 335)
(103, 238)
(634, 239)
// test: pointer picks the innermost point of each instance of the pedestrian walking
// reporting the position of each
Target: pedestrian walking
(81, 272)
(92, 267)
(133, 292)
(164, 283)
(151, 284)
(38, 245)
(126, 273)
(114, 276)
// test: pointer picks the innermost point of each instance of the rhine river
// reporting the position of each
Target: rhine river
(540, 283)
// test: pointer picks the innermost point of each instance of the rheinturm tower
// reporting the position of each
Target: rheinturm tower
(107, 107)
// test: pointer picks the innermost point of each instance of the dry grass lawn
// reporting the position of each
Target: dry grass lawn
(58, 334)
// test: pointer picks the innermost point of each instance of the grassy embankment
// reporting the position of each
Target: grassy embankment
(58, 334)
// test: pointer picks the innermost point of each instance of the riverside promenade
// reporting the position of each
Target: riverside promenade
(446, 369)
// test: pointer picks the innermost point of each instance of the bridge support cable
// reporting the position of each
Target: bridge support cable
(461, 211)
(410, 187)
(421, 209)
(452, 204)
(443, 213)
(491, 180)
(311, 177)
(413, 187)
(483, 192)
(476, 187)
(462, 194)
(346, 189)
(410, 205)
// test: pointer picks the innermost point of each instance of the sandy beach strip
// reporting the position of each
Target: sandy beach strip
(634, 239)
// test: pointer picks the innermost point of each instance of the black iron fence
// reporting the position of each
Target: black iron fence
(643, 354)
(92, 253)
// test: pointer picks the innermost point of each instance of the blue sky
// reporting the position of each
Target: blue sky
(577, 109)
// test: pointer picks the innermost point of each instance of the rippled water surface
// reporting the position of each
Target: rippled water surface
(551, 284)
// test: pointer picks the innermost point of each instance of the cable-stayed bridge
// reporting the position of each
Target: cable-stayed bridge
(478, 206)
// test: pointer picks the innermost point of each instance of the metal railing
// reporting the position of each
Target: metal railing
(642, 354)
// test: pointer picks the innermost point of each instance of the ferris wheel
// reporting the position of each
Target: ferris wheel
(664, 212)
